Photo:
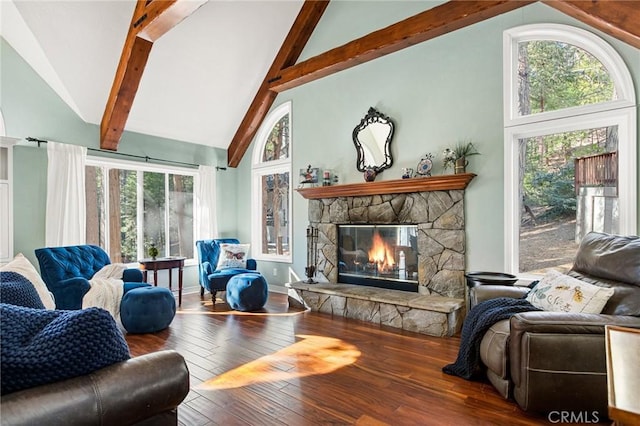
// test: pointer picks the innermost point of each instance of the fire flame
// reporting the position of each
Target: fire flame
(381, 253)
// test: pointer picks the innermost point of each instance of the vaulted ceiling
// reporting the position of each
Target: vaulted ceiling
(200, 78)
(212, 77)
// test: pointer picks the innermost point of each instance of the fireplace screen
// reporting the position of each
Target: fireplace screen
(378, 255)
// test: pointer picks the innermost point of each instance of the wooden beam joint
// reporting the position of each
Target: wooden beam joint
(150, 20)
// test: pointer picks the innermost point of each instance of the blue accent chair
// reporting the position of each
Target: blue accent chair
(67, 270)
(211, 279)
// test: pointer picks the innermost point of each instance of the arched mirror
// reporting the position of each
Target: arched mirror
(372, 138)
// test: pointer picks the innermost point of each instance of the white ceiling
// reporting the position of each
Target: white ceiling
(200, 77)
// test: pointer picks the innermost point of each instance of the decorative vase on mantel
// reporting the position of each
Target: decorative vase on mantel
(460, 165)
(370, 174)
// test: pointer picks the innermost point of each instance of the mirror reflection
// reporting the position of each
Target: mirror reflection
(372, 138)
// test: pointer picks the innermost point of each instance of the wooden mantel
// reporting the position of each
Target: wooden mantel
(396, 186)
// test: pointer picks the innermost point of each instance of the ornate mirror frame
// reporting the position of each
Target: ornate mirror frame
(366, 146)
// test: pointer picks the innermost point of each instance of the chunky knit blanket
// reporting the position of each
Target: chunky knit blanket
(480, 318)
(16, 289)
(41, 346)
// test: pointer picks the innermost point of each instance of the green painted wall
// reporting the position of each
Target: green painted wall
(438, 92)
(31, 108)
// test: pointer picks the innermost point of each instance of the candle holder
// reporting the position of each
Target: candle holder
(312, 254)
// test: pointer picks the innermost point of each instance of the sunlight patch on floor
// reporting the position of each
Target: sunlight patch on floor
(312, 355)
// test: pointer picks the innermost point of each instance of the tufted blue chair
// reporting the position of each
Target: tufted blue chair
(216, 280)
(67, 270)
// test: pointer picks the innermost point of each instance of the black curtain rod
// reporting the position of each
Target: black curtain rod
(144, 157)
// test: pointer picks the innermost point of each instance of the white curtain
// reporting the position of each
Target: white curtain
(66, 214)
(205, 202)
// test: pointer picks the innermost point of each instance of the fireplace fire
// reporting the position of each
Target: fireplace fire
(378, 255)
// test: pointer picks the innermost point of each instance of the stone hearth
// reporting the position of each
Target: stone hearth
(436, 206)
(432, 315)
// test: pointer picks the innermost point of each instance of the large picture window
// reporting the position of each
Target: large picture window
(570, 145)
(131, 206)
(271, 187)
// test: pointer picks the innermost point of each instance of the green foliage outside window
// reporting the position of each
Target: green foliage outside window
(553, 76)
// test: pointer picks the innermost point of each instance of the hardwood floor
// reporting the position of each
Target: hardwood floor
(286, 366)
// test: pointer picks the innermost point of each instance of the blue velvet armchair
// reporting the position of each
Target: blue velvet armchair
(212, 279)
(67, 270)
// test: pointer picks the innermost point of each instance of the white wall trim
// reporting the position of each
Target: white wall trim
(259, 169)
(621, 112)
(583, 39)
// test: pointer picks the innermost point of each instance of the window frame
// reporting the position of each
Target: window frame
(621, 112)
(261, 168)
(110, 163)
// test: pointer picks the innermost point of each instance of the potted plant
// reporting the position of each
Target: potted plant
(153, 251)
(457, 157)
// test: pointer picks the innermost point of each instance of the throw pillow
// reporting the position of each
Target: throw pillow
(557, 292)
(21, 265)
(233, 256)
(40, 346)
(17, 290)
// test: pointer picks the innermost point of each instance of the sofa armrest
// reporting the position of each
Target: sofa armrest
(485, 292)
(68, 293)
(124, 393)
(132, 275)
(207, 268)
(558, 360)
(563, 323)
(252, 264)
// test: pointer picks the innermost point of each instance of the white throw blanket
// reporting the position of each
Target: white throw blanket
(106, 289)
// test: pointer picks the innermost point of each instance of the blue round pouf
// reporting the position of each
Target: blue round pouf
(247, 292)
(147, 309)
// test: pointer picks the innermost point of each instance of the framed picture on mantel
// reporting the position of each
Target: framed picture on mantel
(309, 175)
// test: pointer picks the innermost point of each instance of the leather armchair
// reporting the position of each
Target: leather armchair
(67, 270)
(551, 361)
(140, 391)
(210, 278)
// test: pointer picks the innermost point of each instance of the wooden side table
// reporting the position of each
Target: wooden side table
(163, 263)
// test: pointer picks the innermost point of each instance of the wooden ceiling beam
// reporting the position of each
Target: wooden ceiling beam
(162, 15)
(620, 19)
(151, 19)
(290, 51)
(427, 25)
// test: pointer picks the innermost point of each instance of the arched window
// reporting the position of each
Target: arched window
(271, 187)
(570, 144)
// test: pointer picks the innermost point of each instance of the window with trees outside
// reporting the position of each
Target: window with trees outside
(271, 188)
(570, 145)
(131, 206)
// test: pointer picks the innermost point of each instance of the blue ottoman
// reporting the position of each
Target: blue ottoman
(147, 309)
(247, 292)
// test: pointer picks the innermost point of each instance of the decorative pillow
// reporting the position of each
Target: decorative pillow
(233, 256)
(21, 265)
(557, 292)
(17, 290)
(39, 346)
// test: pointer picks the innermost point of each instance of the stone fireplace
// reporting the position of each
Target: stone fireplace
(435, 205)
(439, 216)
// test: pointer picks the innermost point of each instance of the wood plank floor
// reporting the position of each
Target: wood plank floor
(284, 366)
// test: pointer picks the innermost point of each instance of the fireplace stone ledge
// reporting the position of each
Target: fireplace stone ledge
(432, 315)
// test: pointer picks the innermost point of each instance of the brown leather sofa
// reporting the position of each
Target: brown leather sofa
(145, 390)
(555, 362)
